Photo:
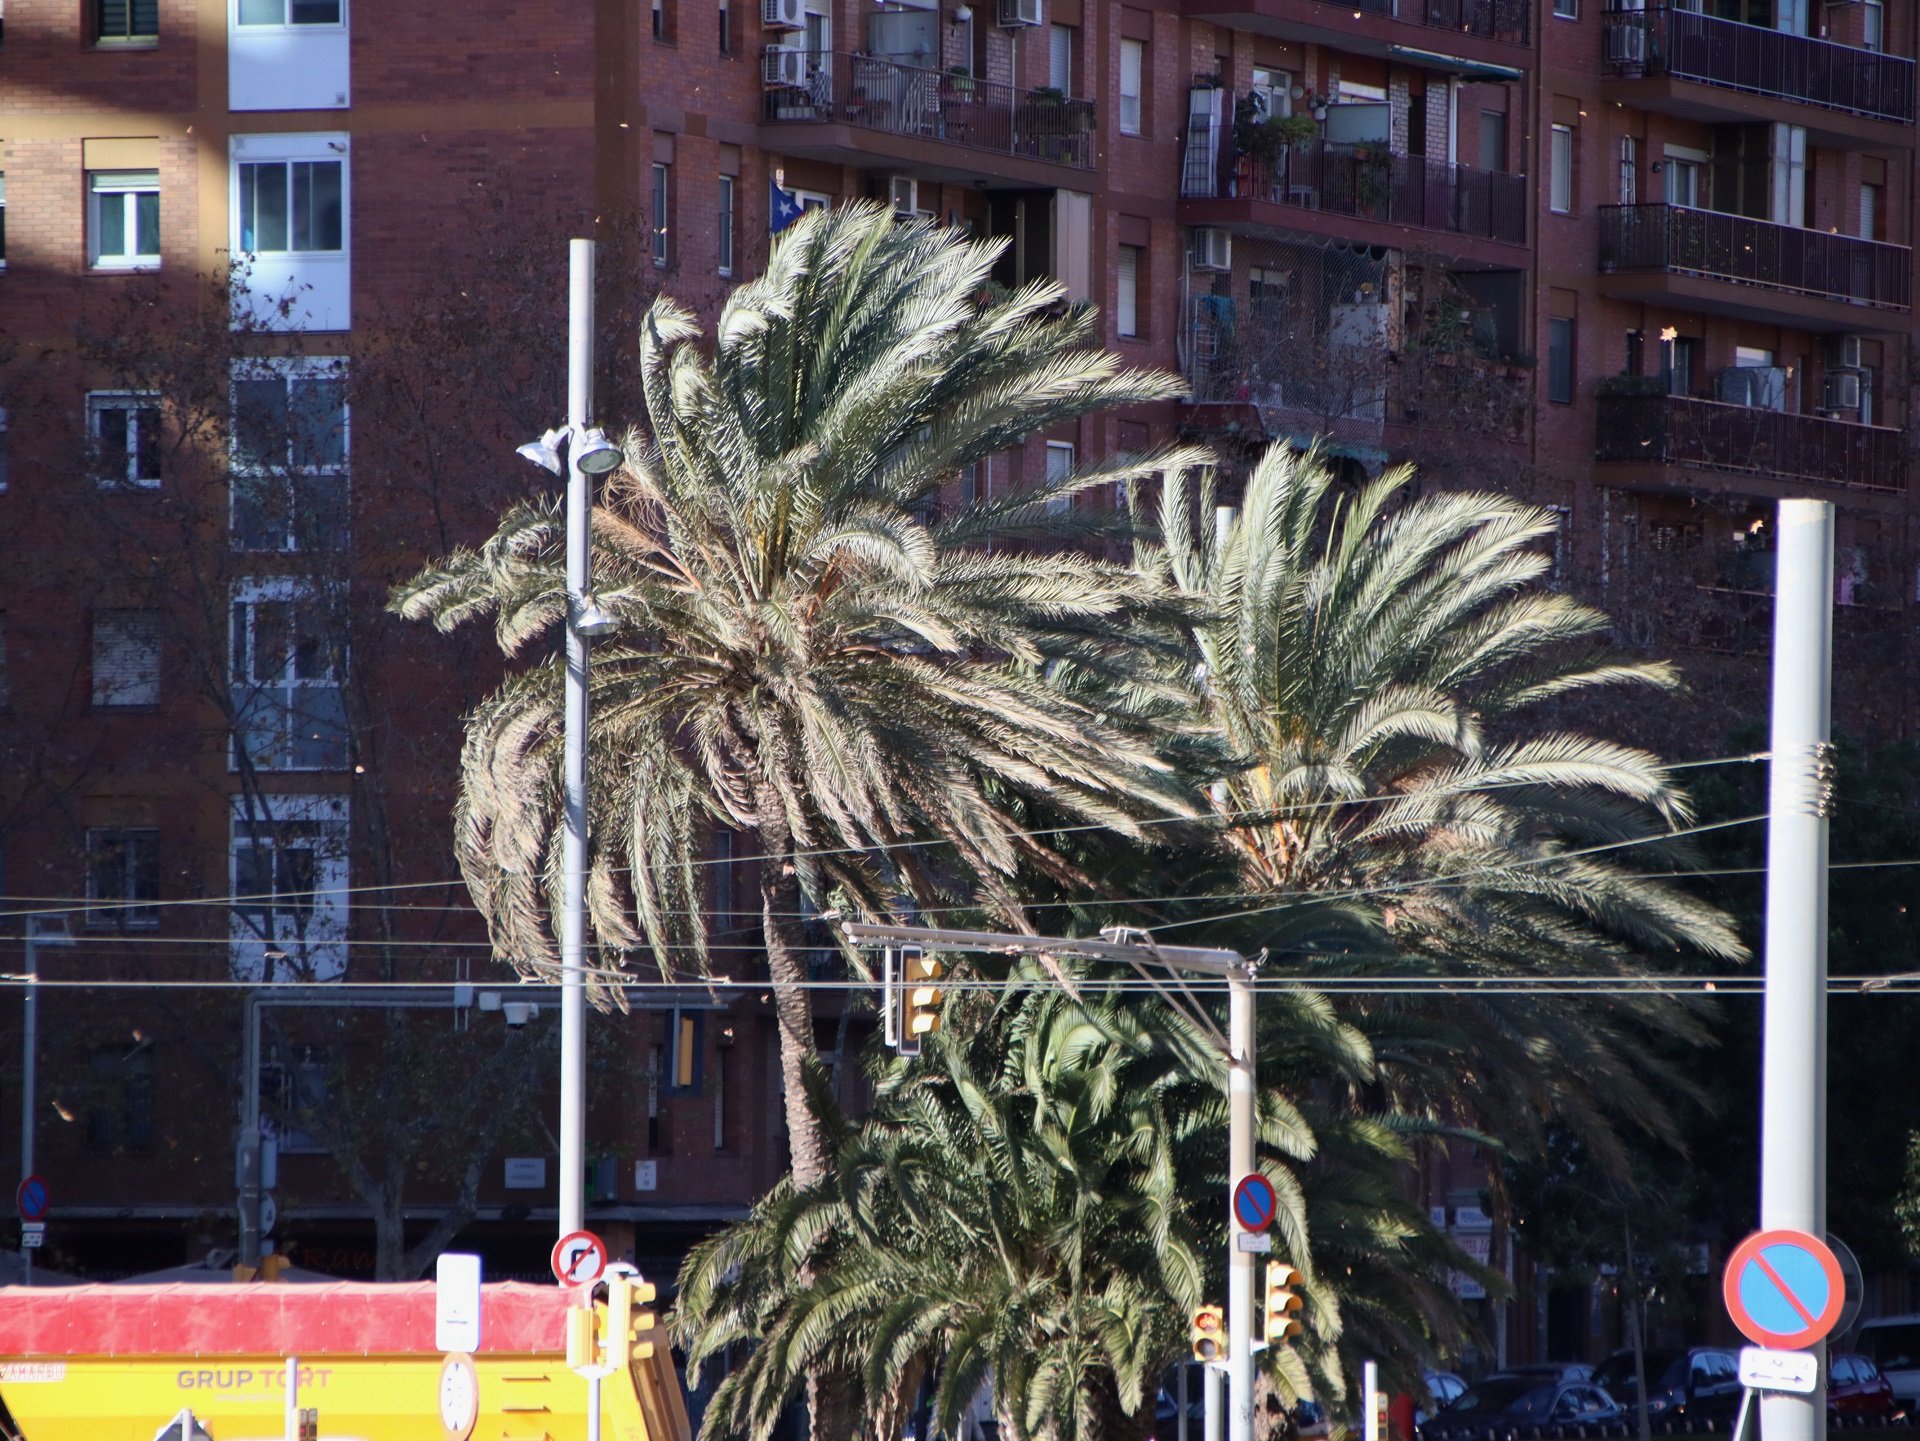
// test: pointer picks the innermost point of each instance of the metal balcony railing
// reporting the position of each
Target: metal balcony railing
(1370, 182)
(1712, 51)
(1680, 430)
(813, 86)
(1487, 19)
(1683, 241)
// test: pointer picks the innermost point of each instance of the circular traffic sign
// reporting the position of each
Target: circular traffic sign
(32, 1199)
(1254, 1202)
(1784, 1289)
(579, 1258)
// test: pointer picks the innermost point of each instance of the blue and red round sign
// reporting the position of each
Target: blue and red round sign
(1254, 1202)
(32, 1199)
(1784, 1289)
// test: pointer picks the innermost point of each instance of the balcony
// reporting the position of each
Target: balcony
(1707, 260)
(1679, 57)
(1678, 430)
(837, 107)
(1487, 37)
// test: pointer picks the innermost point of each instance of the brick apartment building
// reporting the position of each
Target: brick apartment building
(1648, 264)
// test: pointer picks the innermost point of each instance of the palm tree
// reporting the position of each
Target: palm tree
(1380, 659)
(805, 652)
(1039, 1202)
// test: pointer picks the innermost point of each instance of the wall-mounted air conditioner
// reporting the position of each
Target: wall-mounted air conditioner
(1843, 352)
(1626, 43)
(1212, 249)
(1020, 12)
(786, 65)
(1841, 391)
(784, 14)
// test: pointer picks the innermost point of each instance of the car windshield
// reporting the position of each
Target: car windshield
(1892, 1348)
(1496, 1393)
(1615, 1374)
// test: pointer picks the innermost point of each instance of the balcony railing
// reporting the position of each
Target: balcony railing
(1370, 182)
(1712, 51)
(1755, 252)
(1680, 430)
(1487, 19)
(813, 86)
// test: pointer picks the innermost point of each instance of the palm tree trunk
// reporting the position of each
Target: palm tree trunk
(792, 1002)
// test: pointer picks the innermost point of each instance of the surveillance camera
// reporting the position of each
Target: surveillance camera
(518, 1013)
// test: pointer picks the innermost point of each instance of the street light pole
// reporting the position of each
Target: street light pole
(34, 938)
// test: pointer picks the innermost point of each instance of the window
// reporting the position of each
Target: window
(660, 31)
(1567, 9)
(1060, 58)
(1685, 175)
(662, 188)
(287, 663)
(291, 200)
(1629, 170)
(289, 12)
(1560, 171)
(126, 658)
(116, 22)
(1271, 92)
(722, 896)
(123, 432)
(1873, 25)
(686, 1051)
(291, 205)
(723, 228)
(1680, 353)
(3, 220)
(1560, 360)
(1493, 140)
(1059, 467)
(123, 219)
(123, 879)
(1132, 65)
(289, 456)
(289, 871)
(1870, 208)
(726, 27)
(120, 1098)
(1126, 307)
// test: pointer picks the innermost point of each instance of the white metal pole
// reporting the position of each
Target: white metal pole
(29, 1076)
(250, 1177)
(1180, 1397)
(593, 1406)
(1370, 1400)
(1240, 1162)
(292, 1418)
(1793, 1103)
(1212, 1379)
(573, 981)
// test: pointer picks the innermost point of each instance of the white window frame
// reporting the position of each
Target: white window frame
(1560, 170)
(121, 190)
(1126, 291)
(287, 20)
(811, 200)
(1873, 26)
(123, 910)
(1566, 9)
(662, 206)
(725, 221)
(1133, 66)
(284, 472)
(1629, 170)
(1685, 171)
(125, 660)
(304, 930)
(1061, 459)
(143, 423)
(1061, 43)
(294, 288)
(281, 709)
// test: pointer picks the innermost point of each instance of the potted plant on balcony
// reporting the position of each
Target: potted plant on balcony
(1372, 177)
(956, 86)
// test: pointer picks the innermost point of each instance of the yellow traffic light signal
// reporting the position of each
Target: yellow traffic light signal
(1283, 1303)
(1209, 1334)
(630, 1324)
(583, 1339)
(920, 998)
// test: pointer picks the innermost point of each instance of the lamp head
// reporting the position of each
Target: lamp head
(591, 619)
(545, 451)
(595, 454)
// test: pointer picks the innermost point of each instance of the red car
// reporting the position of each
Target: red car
(1857, 1390)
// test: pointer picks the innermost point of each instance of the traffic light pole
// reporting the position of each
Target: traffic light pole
(1240, 1162)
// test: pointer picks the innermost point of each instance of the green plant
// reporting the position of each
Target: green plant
(1632, 385)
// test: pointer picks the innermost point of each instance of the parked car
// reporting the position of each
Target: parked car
(1503, 1404)
(1892, 1343)
(1857, 1391)
(1701, 1384)
(1547, 1371)
(1443, 1389)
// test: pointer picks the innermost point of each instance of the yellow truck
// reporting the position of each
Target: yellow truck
(336, 1361)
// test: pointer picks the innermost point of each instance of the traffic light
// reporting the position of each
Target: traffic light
(1283, 1303)
(1209, 1334)
(309, 1423)
(583, 1340)
(919, 998)
(630, 1324)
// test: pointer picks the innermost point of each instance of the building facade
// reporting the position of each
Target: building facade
(1648, 264)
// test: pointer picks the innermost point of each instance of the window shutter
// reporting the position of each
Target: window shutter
(1060, 58)
(1127, 300)
(1131, 54)
(126, 658)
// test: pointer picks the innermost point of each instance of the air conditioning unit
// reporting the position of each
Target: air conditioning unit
(1020, 12)
(1627, 43)
(787, 66)
(784, 14)
(904, 191)
(1212, 249)
(1841, 391)
(1843, 352)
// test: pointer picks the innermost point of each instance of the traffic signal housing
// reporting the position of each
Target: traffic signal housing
(1283, 1303)
(920, 998)
(1209, 1334)
(630, 1321)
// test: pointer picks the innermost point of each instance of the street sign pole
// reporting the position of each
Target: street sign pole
(1240, 1162)
(1793, 1104)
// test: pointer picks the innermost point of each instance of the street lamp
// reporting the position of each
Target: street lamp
(588, 454)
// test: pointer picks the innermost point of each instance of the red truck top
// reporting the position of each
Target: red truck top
(337, 1318)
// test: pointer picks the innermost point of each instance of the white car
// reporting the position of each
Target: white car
(1893, 1344)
